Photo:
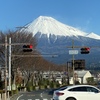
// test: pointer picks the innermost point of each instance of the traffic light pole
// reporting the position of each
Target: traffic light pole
(6, 44)
(73, 52)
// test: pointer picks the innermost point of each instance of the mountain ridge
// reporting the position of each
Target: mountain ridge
(93, 35)
(49, 25)
(53, 43)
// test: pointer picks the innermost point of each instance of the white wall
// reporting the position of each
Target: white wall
(87, 75)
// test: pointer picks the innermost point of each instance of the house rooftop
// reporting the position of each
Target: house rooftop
(81, 73)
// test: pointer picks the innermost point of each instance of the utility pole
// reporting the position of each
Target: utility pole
(68, 71)
(6, 70)
(10, 64)
(5, 67)
(73, 62)
(73, 52)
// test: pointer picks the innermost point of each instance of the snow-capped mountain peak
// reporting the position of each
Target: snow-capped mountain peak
(50, 26)
(93, 35)
(60, 36)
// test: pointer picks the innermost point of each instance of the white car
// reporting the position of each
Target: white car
(77, 92)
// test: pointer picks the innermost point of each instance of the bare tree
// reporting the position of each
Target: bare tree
(27, 65)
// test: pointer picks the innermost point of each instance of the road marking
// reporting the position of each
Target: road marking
(41, 95)
(35, 99)
(32, 99)
(19, 96)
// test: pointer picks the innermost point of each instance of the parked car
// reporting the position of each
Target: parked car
(77, 92)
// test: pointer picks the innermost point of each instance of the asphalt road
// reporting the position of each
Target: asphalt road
(34, 95)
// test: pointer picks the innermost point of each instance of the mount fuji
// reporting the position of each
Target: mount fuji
(50, 26)
(53, 37)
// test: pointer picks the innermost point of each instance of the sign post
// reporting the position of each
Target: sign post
(73, 52)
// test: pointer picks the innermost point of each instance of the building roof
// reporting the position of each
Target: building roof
(81, 73)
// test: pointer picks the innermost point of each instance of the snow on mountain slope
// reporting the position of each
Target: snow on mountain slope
(50, 26)
(56, 44)
(94, 36)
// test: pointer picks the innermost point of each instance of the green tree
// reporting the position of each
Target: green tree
(90, 80)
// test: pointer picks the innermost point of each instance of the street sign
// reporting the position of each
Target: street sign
(73, 52)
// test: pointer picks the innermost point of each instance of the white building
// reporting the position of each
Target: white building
(53, 75)
(81, 76)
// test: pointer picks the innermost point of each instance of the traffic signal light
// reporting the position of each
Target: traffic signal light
(85, 50)
(27, 48)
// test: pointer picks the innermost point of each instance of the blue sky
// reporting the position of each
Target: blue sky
(82, 14)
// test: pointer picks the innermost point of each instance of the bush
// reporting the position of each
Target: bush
(90, 80)
(53, 84)
(29, 88)
(2, 91)
(33, 87)
(57, 84)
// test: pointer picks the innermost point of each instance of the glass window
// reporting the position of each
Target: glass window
(91, 89)
(85, 89)
(81, 89)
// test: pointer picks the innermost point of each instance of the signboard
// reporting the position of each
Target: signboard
(9, 88)
(13, 87)
(73, 52)
(79, 64)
